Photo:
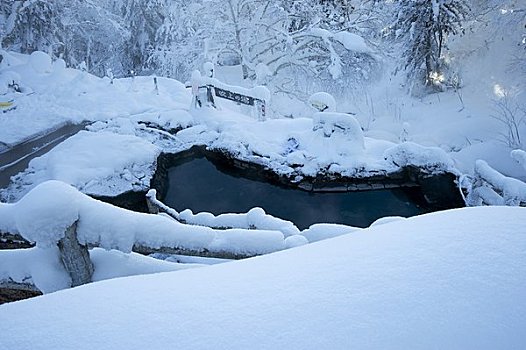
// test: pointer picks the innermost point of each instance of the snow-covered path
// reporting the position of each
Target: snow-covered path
(15, 159)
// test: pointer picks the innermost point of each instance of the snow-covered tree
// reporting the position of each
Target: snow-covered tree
(143, 18)
(181, 39)
(263, 32)
(424, 26)
(93, 37)
(30, 24)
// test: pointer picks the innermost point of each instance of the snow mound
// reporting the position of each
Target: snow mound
(332, 123)
(453, 279)
(318, 232)
(412, 154)
(41, 62)
(322, 101)
(295, 241)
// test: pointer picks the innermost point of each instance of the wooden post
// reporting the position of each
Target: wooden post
(75, 257)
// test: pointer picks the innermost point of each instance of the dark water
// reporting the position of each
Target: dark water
(198, 185)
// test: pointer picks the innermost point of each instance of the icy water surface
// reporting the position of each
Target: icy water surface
(198, 185)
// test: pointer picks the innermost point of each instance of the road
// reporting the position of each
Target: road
(16, 159)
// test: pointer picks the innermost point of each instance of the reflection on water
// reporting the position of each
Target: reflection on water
(198, 185)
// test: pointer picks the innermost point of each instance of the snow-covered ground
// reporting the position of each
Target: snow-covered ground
(448, 280)
(446, 131)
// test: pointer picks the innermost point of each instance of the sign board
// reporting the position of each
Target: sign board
(232, 96)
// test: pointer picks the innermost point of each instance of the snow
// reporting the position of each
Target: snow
(322, 101)
(352, 42)
(43, 215)
(295, 241)
(43, 268)
(318, 232)
(113, 264)
(340, 124)
(511, 191)
(520, 156)
(41, 62)
(453, 279)
(255, 218)
(410, 153)
(100, 163)
(134, 110)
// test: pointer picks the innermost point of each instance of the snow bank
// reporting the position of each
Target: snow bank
(113, 264)
(41, 62)
(451, 280)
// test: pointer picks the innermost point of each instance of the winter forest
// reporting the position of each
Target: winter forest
(336, 45)
(262, 174)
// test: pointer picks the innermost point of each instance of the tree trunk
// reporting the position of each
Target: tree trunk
(75, 257)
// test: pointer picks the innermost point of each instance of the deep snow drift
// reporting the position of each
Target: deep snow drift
(454, 280)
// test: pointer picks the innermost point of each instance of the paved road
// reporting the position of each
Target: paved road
(16, 159)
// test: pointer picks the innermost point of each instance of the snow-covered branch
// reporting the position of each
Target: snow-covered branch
(254, 219)
(492, 188)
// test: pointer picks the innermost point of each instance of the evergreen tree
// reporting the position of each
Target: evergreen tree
(143, 18)
(423, 27)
